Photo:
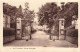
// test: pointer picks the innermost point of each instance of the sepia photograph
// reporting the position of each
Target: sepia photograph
(45, 24)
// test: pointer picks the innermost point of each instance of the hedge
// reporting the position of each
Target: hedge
(8, 31)
(72, 32)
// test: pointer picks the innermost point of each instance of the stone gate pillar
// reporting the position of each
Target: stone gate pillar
(61, 29)
(18, 28)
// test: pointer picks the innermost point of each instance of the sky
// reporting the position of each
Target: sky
(33, 4)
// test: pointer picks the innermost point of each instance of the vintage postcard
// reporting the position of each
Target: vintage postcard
(39, 26)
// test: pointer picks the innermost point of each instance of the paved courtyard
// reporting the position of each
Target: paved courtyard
(40, 38)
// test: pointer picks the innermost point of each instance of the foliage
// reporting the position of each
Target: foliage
(70, 9)
(50, 12)
(46, 13)
(9, 10)
(28, 14)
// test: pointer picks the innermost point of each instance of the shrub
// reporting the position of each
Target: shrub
(72, 32)
(33, 31)
(8, 31)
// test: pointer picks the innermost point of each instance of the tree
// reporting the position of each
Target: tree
(46, 14)
(70, 9)
(9, 10)
(28, 14)
(49, 13)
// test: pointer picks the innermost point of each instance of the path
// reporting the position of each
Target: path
(40, 38)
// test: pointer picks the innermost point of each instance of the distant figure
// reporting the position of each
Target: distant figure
(26, 33)
(50, 34)
(26, 39)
